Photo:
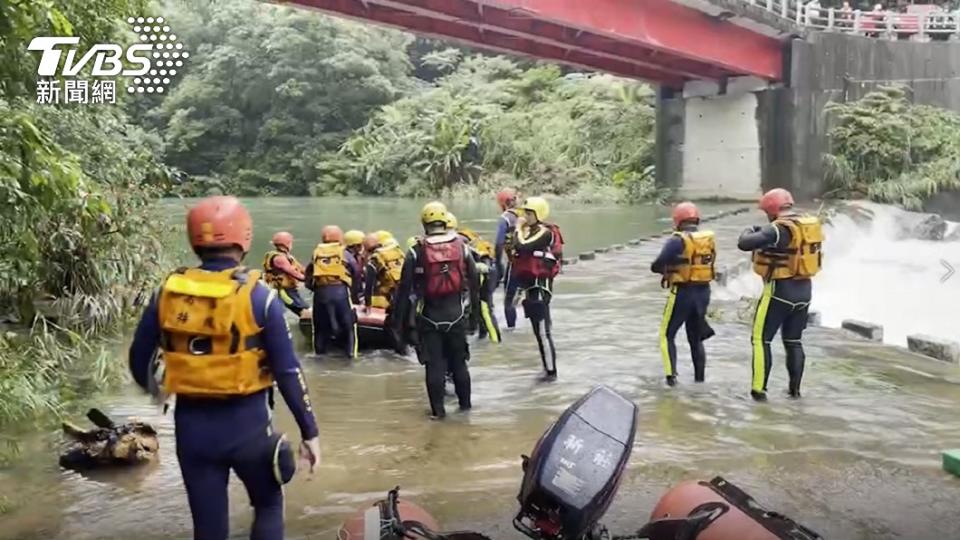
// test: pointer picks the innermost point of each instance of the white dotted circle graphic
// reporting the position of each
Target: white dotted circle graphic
(173, 72)
(186, 55)
(136, 80)
(139, 89)
(143, 37)
(160, 39)
(136, 29)
(149, 19)
(179, 46)
(160, 90)
(153, 72)
(160, 20)
(166, 55)
(176, 55)
(179, 63)
(140, 20)
(150, 89)
(156, 81)
(156, 55)
(131, 20)
(173, 37)
(163, 72)
(166, 81)
(166, 28)
(153, 38)
(131, 89)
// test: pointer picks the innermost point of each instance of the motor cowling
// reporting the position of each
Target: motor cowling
(575, 469)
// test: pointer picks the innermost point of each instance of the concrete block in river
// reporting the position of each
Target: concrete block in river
(602, 250)
(635, 242)
(721, 277)
(873, 332)
(813, 318)
(618, 247)
(588, 256)
(934, 347)
(666, 232)
(951, 461)
(568, 262)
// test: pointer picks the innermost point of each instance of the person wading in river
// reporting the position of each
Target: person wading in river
(331, 275)
(353, 241)
(503, 246)
(283, 272)
(437, 271)
(225, 343)
(786, 254)
(539, 252)
(686, 263)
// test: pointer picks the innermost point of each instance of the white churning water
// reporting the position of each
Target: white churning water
(870, 274)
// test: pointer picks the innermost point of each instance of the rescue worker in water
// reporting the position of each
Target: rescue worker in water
(331, 275)
(539, 252)
(686, 262)
(786, 254)
(482, 252)
(437, 271)
(382, 273)
(283, 272)
(225, 343)
(353, 241)
(504, 252)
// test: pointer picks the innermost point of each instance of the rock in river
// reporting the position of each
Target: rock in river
(108, 444)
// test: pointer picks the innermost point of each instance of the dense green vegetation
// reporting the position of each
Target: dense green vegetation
(289, 102)
(889, 150)
(78, 243)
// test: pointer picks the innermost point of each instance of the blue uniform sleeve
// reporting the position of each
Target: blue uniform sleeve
(671, 251)
(501, 239)
(283, 361)
(371, 284)
(146, 339)
(765, 236)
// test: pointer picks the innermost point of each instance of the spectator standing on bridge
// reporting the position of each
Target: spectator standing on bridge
(687, 265)
(813, 12)
(786, 254)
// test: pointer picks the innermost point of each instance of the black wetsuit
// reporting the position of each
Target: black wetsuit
(782, 307)
(686, 306)
(537, 296)
(441, 328)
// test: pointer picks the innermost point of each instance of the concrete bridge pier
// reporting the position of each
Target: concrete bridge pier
(738, 137)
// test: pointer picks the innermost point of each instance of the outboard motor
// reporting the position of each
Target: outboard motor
(575, 469)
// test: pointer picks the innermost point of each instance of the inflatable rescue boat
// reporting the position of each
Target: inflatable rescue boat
(372, 332)
(572, 476)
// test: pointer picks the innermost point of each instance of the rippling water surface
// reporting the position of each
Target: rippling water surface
(858, 457)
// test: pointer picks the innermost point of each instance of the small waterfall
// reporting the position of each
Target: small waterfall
(872, 274)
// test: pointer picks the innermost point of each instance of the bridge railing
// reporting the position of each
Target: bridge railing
(889, 24)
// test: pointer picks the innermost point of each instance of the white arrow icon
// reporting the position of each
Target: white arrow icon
(949, 273)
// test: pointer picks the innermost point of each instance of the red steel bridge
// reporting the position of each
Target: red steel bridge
(660, 41)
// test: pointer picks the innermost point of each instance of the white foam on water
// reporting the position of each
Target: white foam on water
(871, 275)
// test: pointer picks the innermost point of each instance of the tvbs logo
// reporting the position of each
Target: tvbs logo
(149, 66)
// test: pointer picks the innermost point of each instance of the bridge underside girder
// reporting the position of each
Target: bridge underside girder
(653, 40)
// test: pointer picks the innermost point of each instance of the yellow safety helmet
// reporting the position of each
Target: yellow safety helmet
(539, 206)
(451, 221)
(433, 212)
(412, 241)
(353, 238)
(384, 236)
(485, 248)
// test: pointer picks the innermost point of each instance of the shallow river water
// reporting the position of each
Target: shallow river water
(858, 457)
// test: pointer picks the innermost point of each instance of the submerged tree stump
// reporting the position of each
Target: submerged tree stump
(108, 444)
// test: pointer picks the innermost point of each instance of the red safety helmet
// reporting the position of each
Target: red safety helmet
(685, 211)
(331, 233)
(505, 197)
(284, 240)
(220, 221)
(774, 201)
